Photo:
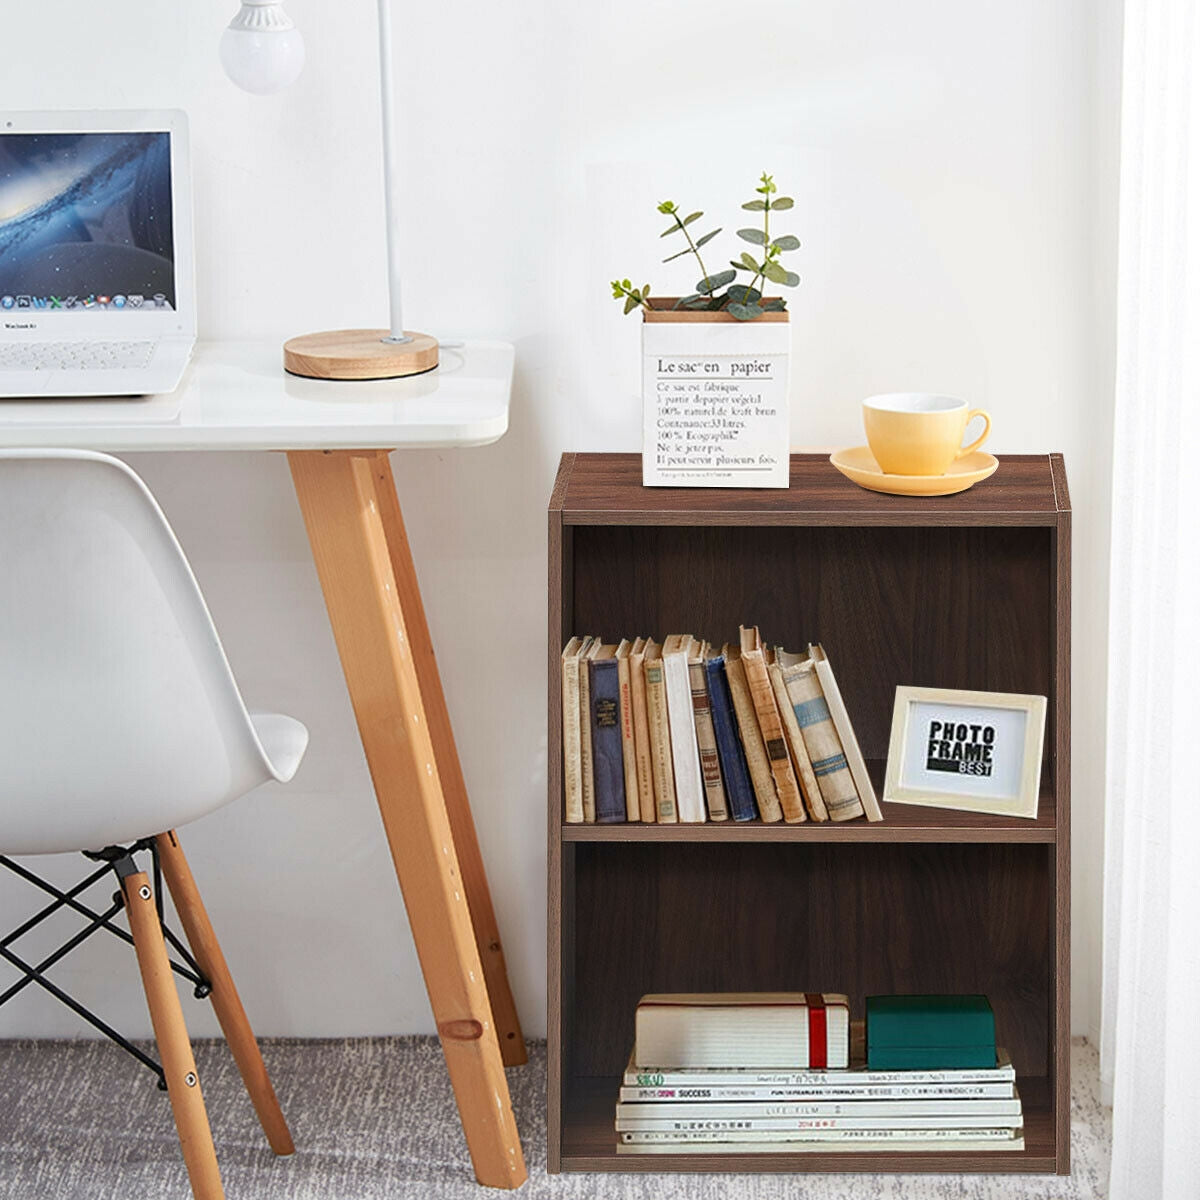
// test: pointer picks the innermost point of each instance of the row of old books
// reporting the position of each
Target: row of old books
(771, 1072)
(684, 731)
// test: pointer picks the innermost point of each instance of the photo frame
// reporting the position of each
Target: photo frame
(973, 751)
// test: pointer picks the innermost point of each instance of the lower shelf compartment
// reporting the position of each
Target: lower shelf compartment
(589, 1143)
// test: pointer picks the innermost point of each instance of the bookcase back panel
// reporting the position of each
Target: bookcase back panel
(858, 918)
(952, 607)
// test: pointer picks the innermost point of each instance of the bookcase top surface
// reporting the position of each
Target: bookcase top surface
(606, 489)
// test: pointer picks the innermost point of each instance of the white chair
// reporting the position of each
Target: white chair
(120, 721)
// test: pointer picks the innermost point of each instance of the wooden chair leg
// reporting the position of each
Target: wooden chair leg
(225, 1000)
(166, 1015)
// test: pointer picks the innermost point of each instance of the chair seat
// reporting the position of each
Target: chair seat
(283, 739)
(84, 825)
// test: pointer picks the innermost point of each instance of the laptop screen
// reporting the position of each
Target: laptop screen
(85, 222)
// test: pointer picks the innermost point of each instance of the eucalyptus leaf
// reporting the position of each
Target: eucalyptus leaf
(748, 261)
(692, 217)
(744, 312)
(792, 280)
(753, 235)
(706, 287)
(787, 242)
(668, 232)
(678, 254)
(775, 305)
(775, 273)
(689, 301)
(755, 205)
(740, 294)
(708, 237)
(717, 303)
(781, 202)
(630, 304)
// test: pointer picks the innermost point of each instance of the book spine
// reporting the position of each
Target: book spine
(772, 731)
(858, 1109)
(801, 763)
(608, 762)
(694, 1136)
(706, 742)
(894, 1091)
(685, 754)
(586, 777)
(660, 743)
(752, 742)
(807, 1078)
(841, 721)
(572, 765)
(628, 1124)
(821, 739)
(641, 738)
(633, 810)
(735, 773)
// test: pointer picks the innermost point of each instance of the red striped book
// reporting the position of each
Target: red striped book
(762, 1030)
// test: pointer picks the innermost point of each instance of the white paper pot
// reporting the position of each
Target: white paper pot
(714, 399)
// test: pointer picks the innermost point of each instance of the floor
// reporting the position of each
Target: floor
(375, 1118)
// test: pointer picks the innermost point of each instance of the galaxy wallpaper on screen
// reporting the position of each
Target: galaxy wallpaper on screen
(85, 221)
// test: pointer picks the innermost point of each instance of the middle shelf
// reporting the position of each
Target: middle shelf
(901, 823)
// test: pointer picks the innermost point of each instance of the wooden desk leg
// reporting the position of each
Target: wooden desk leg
(454, 788)
(339, 498)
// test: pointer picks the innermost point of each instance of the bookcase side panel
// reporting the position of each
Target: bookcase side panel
(1062, 864)
(560, 934)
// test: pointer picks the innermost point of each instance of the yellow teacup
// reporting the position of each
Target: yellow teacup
(916, 433)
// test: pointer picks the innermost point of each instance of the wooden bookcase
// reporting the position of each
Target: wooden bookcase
(968, 591)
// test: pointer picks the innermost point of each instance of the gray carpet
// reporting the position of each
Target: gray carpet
(375, 1118)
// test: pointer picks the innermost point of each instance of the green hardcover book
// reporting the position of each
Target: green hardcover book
(929, 1033)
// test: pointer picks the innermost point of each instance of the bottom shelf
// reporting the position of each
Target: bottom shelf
(589, 1143)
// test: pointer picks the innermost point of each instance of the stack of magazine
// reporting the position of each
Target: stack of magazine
(806, 1102)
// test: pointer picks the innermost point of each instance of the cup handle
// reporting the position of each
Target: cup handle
(987, 428)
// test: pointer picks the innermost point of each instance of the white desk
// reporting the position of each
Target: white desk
(236, 396)
(337, 435)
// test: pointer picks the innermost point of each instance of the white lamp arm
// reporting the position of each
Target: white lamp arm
(391, 170)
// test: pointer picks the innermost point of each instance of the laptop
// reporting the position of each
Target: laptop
(97, 284)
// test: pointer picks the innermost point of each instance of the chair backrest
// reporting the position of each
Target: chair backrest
(119, 715)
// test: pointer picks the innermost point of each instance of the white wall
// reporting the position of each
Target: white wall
(952, 170)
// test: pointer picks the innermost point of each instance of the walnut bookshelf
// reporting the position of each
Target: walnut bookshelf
(968, 591)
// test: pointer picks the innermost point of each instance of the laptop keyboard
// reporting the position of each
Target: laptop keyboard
(75, 356)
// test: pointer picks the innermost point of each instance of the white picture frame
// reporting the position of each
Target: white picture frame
(972, 751)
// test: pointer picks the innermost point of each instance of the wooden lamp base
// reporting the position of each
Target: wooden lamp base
(359, 354)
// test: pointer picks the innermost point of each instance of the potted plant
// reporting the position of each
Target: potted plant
(715, 362)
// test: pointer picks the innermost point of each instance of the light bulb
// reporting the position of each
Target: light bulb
(262, 50)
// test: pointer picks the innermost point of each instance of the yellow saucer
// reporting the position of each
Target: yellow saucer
(859, 466)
